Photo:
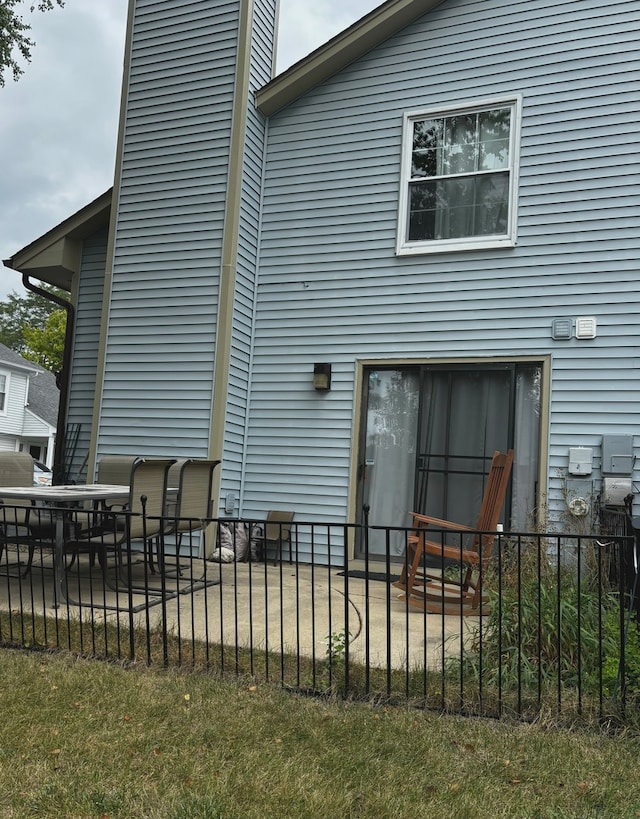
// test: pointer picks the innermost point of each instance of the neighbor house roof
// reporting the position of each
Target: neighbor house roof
(44, 395)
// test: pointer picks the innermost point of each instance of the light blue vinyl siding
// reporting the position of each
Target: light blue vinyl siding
(332, 289)
(262, 38)
(85, 346)
(12, 417)
(161, 346)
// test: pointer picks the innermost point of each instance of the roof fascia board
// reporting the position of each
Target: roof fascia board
(24, 368)
(58, 249)
(64, 253)
(343, 49)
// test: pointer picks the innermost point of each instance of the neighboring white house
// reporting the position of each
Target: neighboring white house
(436, 214)
(29, 401)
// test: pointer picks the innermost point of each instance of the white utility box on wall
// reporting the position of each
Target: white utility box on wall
(580, 460)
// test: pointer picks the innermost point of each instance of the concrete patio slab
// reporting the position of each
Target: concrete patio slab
(293, 608)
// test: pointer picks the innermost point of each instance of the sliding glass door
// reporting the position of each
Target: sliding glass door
(430, 433)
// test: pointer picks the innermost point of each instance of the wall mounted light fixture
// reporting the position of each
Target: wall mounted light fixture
(322, 377)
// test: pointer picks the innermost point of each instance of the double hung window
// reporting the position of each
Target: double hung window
(459, 178)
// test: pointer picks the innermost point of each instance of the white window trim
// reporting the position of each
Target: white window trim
(407, 248)
(7, 385)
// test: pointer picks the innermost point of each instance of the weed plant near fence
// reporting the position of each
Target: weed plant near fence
(559, 633)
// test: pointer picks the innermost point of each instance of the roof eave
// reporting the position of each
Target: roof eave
(11, 365)
(351, 44)
(54, 257)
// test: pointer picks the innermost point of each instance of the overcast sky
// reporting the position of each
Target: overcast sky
(58, 123)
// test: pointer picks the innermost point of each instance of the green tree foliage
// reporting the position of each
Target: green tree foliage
(34, 327)
(15, 43)
(45, 345)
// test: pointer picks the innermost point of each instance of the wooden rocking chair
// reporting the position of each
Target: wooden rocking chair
(436, 592)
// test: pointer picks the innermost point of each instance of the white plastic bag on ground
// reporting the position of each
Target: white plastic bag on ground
(233, 537)
(223, 555)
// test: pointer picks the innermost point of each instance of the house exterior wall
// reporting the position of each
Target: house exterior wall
(19, 426)
(260, 72)
(8, 443)
(17, 389)
(90, 290)
(163, 304)
(34, 427)
(332, 289)
(173, 193)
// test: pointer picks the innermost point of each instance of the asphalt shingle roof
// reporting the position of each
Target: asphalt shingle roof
(44, 395)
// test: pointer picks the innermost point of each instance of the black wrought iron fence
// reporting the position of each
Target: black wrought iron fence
(555, 631)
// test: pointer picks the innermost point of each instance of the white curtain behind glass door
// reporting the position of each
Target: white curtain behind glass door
(392, 421)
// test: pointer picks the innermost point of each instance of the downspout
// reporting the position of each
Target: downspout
(62, 378)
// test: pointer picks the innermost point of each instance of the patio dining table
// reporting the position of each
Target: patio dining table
(60, 499)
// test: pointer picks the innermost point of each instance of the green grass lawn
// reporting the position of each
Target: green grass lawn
(88, 739)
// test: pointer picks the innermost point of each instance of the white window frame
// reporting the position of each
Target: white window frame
(7, 382)
(508, 239)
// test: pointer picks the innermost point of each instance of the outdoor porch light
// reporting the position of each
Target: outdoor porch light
(322, 377)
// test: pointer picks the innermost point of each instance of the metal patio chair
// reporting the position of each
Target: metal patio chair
(21, 522)
(115, 469)
(277, 530)
(104, 532)
(192, 509)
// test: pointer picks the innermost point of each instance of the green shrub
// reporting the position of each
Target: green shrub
(545, 627)
(611, 683)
